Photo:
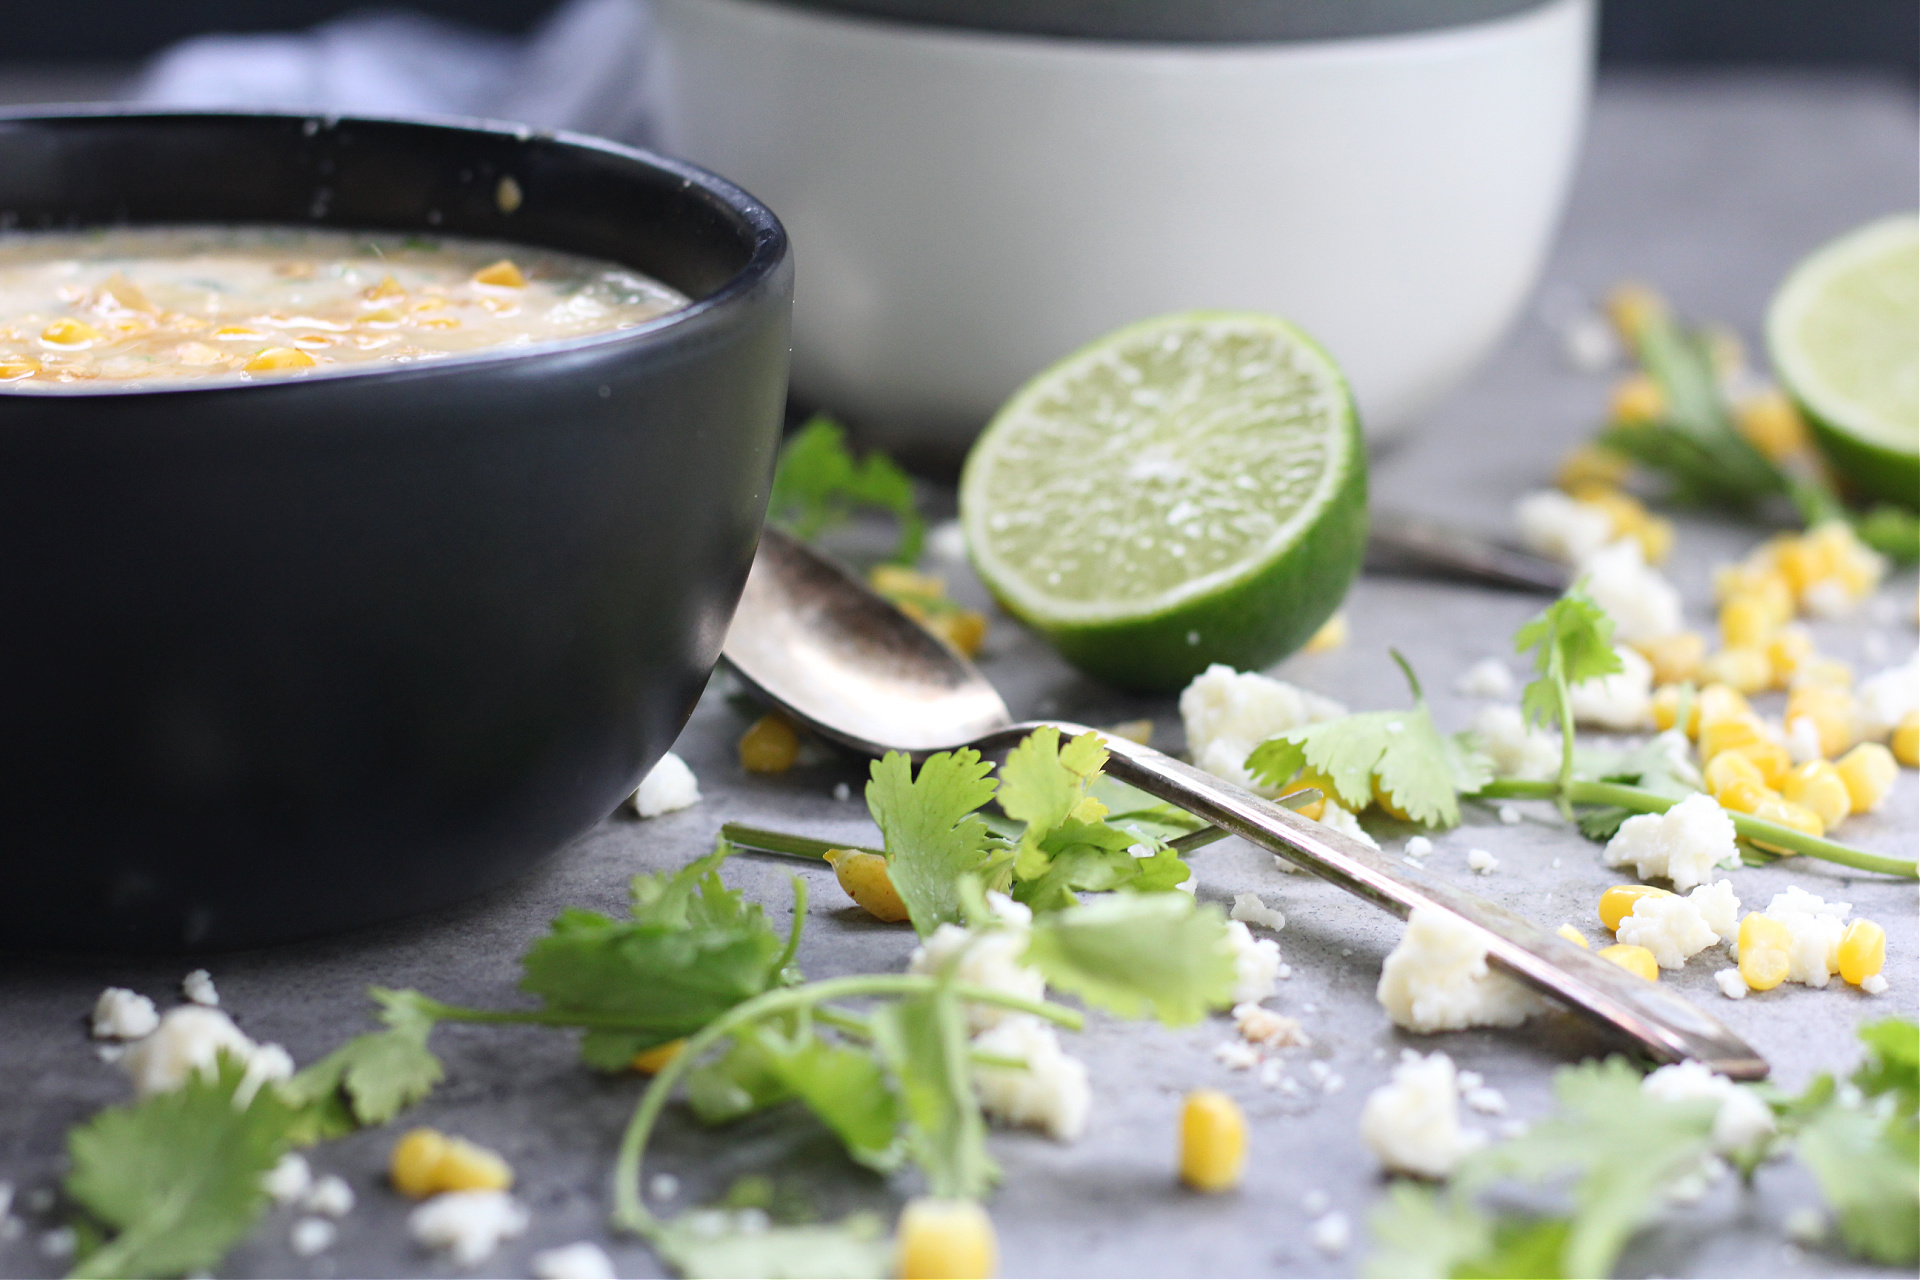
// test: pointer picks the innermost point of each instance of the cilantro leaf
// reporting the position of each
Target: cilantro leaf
(855, 1248)
(691, 951)
(1572, 640)
(1866, 1173)
(1158, 952)
(1420, 1232)
(371, 1078)
(1893, 1063)
(846, 1088)
(817, 485)
(922, 1040)
(932, 831)
(1419, 769)
(177, 1175)
(1042, 783)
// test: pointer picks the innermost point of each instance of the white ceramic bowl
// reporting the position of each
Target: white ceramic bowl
(967, 206)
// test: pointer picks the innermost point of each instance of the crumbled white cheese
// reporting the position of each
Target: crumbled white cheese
(1341, 820)
(1051, 1094)
(1419, 846)
(1874, 984)
(1487, 678)
(1236, 1055)
(1718, 907)
(1228, 713)
(1331, 1234)
(947, 541)
(1887, 698)
(468, 1225)
(987, 958)
(289, 1179)
(1482, 862)
(59, 1242)
(1508, 815)
(330, 1196)
(1731, 984)
(1803, 740)
(311, 1236)
(120, 1014)
(1623, 700)
(1674, 928)
(1558, 527)
(198, 987)
(1412, 1124)
(1642, 604)
(668, 786)
(842, 792)
(1588, 343)
(1815, 927)
(1683, 844)
(1742, 1121)
(1266, 1028)
(1488, 1102)
(1517, 750)
(1437, 979)
(583, 1261)
(1256, 964)
(1249, 907)
(187, 1040)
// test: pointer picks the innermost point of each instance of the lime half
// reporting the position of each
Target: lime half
(1188, 490)
(1844, 336)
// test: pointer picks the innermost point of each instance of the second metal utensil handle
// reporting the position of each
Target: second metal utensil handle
(1669, 1028)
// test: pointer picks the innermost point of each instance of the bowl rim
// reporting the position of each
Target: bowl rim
(770, 252)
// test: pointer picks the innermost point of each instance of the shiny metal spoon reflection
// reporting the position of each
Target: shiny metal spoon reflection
(817, 643)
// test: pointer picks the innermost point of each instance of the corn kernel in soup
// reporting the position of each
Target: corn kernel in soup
(115, 309)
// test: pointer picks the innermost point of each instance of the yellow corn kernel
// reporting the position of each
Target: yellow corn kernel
(427, 1162)
(1822, 672)
(1655, 536)
(503, 274)
(1764, 943)
(415, 1159)
(1617, 903)
(1589, 464)
(1769, 757)
(1637, 398)
(1630, 305)
(898, 580)
(1319, 782)
(1385, 803)
(1722, 735)
(1906, 740)
(1633, 959)
(1845, 559)
(1666, 708)
(1801, 563)
(651, 1062)
(944, 1240)
(276, 358)
(1719, 702)
(1744, 669)
(1778, 809)
(1629, 519)
(1869, 771)
(437, 322)
(864, 876)
(964, 629)
(1331, 635)
(1863, 950)
(1772, 425)
(1747, 621)
(1728, 768)
(1140, 731)
(1743, 797)
(1789, 648)
(13, 370)
(68, 332)
(1818, 785)
(1574, 936)
(387, 288)
(1213, 1141)
(1833, 713)
(1676, 658)
(769, 746)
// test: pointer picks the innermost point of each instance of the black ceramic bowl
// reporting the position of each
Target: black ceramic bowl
(284, 659)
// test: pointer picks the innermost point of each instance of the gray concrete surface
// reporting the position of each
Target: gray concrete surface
(1709, 187)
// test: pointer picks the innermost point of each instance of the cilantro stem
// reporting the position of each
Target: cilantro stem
(1639, 800)
(855, 1027)
(760, 840)
(629, 1211)
(793, 930)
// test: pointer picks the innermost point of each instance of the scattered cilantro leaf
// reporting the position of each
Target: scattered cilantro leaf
(1419, 769)
(1893, 1063)
(845, 1087)
(176, 1176)
(817, 485)
(922, 1040)
(932, 831)
(1863, 1151)
(371, 1078)
(1420, 1231)
(1572, 640)
(703, 1248)
(1137, 953)
(1042, 783)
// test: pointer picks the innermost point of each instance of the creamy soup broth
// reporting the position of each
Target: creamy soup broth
(100, 310)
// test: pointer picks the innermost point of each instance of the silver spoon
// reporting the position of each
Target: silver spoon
(817, 643)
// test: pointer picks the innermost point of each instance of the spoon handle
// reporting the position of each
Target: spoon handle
(1667, 1027)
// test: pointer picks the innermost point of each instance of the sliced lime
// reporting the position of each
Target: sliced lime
(1187, 490)
(1844, 336)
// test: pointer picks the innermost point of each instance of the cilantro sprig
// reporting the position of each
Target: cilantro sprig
(818, 484)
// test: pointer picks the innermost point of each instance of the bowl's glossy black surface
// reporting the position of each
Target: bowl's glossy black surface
(284, 659)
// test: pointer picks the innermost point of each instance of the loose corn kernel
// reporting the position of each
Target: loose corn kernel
(1319, 782)
(1764, 943)
(1744, 669)
(1845, 559)
(1729, 767)
(275, 358)
(1140, 731)
(1763, 583)
(503, 274)
(1574, 936)
(1772, 424)
(944, 1240)
(1863, 951)
(1617, 903)
(1629, 519)
(964, 629)
(1822, 672)
(1801, 563)
(387, 288)
(1719, 702)
(1906, 740)
(1734, 731)
(1637, 398)
(427, 1162)
(1833, 713)
(1769, 757)
(1633, 959)
(68, 332)
(1332, 635)
(1869, 771)
(14, 370)
(1676, 658)
(769, 746)
(651, 1062)
(1590, 464)
(1790, 647)
(1666, 708)
(1213, 1141)
(1630, 305)
(864, 876)
(1818, 785)
(898, 580)
(1386, 804)
(1747, 621)
(1743, 797)
(1778, 809)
